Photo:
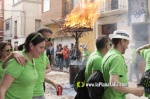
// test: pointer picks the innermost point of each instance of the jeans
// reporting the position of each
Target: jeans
(67, 62)
(39, 97)
(134, 69)
(57, 60)
(60, 63)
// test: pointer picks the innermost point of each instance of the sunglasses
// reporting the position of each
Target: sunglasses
(38, 34)
(49, 39)
(8, 50)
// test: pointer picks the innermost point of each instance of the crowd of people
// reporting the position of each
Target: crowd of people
(22, 72)
(64, 55)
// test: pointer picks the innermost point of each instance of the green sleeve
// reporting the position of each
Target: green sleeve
(96, 63)
(47, 60)
(117, 66)
(87, 53)
(144, 52)
(14, 69)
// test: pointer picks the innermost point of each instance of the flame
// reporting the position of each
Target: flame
(84, 14)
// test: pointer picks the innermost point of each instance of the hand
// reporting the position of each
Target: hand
(56, 86)
(19, 58)
(138, 91)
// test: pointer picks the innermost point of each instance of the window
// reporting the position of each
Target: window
(108, 28)
(46, 5)
(68, 6)
(15, 34)
(114, 4)
(37, 24)
(7, 26)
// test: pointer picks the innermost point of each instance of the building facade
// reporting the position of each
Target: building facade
(1, 19)
(23, 18)
(129, 15)
(8, 20)
(53, 14)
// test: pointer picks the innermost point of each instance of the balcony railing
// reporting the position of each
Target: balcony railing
(110, 8)
(109, 5)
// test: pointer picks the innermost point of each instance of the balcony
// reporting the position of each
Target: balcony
(112, 5)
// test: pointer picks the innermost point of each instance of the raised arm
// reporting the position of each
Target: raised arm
(143, 47)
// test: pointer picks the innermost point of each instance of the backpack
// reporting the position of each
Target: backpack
(145, 81)
(79, 80)
(96, 91)
(79, 85)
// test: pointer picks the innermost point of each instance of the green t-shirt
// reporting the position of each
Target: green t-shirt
(40, 64)
(86, 54)
(93, 63)
(145, 53)
(114, 65)
(1, 71)
(25, 78)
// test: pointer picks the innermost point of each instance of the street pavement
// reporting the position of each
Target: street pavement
(62, 77)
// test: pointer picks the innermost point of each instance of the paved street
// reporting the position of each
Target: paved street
(68, 92)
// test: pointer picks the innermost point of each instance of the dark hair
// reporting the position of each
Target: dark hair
(16, 48)
(44, 29)
(37, 39)
(21, 47)
(101, 41)
(3, 44)
(115, 41)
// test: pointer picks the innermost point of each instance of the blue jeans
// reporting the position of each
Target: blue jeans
(60, 63)
(39, 97)
(57, 60)
(67, 62)
(134, 69)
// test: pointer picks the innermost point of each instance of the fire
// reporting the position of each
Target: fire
(84, 14)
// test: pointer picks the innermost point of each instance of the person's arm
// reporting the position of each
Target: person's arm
(61, 52)
(18, 57)
(147, 46)
(51, 82)
(136, 91)
(48, 68)
(5, 84)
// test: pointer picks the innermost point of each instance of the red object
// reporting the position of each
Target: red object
(59, 90)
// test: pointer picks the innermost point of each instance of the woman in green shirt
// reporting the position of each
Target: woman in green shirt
(18, 81)
(5, 50)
